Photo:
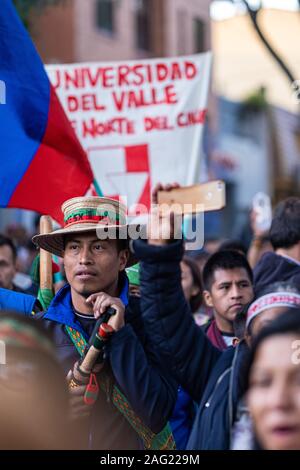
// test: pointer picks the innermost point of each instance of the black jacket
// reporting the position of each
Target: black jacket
(275, 268)
(211, 377)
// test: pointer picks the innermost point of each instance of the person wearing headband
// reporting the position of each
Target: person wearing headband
(271, 303)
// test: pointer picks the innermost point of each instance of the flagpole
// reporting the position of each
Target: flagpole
(97, 188)
(46, 279)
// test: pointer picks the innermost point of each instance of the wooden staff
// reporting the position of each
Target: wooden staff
(83, 369)
(46, 281)
(82, 373)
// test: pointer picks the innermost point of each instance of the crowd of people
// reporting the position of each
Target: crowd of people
(200, 351)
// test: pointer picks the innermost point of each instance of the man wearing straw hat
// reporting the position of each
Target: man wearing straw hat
(136, 394)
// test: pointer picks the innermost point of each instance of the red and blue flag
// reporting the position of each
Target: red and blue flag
(41, 160)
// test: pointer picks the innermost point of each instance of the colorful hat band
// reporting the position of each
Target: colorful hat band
(279, 299)
(13, 333)
(92, 216)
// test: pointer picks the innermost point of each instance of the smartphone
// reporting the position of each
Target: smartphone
(197, 198)
(262, 207)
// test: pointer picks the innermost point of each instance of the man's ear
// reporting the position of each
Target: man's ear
(207, 298)
(123, 259)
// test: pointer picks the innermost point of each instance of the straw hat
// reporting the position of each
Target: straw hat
(104, 216)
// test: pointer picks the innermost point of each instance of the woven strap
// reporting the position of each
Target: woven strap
(161, 441)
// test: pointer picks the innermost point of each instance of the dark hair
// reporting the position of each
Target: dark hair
(285, 228)
(122, 244)
(226, 259)
(285, 324)
(5, 241)
(235, 245)
(195, 300)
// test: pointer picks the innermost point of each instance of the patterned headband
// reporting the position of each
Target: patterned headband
(276, 299)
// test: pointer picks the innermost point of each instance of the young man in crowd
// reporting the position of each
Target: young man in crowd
(140, 395)
(284, 264)
(11, 296)
(8, 257)
(227, 279)
(8, 268)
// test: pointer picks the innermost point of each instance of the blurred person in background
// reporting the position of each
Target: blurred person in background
(273, 384)
(25, 257)
(33, 389)
(284, 263)
(191, 283)
(212, 245)
(260, 241)
(183, 414)
(269, 304)
(8, 256)
(18, 234)
(255, 240)
(8, 260)
(19, 302)
(235, 245)
(204, 313)
(9, 269)
(200, 257)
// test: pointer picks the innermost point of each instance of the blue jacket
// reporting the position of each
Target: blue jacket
(210, 376)
(182, 418)
(136, 368)
(17, 301)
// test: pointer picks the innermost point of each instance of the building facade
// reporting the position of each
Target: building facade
(105, 30)
(242, 64)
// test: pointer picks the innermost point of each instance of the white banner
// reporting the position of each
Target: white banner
(141, 122)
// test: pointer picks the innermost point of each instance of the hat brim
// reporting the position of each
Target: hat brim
(54, 242)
